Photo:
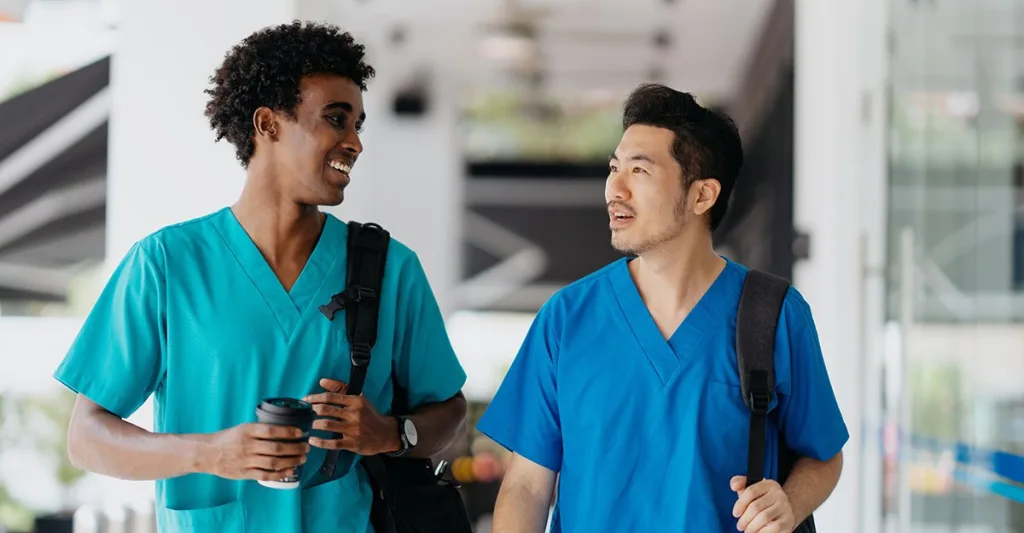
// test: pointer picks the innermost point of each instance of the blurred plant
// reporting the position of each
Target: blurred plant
(38, 423)
(511, 125)
(936, 390)
(25, 82)
(13, 514)
(51, 414)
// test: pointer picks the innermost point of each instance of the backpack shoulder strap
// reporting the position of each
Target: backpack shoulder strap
(756, 321)
(367, 258)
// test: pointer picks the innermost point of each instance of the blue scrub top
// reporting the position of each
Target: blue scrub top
(196, 317)
(646, 434)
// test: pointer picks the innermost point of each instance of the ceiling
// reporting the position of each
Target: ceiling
(588, 45)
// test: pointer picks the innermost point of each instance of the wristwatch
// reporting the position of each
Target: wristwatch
(406, 435)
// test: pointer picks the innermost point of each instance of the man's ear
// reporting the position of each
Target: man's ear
(707, 191)
(264, 121)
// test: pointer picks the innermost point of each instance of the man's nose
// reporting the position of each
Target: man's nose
(615, 187)
(352, 144)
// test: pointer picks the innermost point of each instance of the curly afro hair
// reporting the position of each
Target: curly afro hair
(707, 143)
(265, 70)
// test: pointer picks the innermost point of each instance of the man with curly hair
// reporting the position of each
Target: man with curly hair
(629, 380)
(214, 314)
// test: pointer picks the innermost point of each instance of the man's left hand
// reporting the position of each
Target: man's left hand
(363, 430)
(762, 508)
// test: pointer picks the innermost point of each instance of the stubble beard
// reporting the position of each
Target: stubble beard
(655, 241)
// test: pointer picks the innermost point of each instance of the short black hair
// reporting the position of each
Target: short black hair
(707, 143)
(266, 68)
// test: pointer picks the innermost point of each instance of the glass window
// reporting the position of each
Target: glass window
(955, 289)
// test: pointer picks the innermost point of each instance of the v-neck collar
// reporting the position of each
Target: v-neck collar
(287, 306)
(666, 356)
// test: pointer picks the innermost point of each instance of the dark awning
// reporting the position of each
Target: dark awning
(53, 167)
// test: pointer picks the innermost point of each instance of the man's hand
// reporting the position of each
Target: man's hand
(253, 451)
(362, 429)
(762, 508)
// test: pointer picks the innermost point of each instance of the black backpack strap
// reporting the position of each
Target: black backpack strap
(367, 258)
(756, 321)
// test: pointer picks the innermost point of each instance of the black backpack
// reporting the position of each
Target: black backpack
(409, 495)
(756, 322)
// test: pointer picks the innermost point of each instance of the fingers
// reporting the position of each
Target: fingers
(264, 475)
(333, 385)
(758, 506)
(738, 483)
(750, 495)
(338, 405)
(762, 521)
(344, 427)
(328, 410)
(332, 398)
(754, 510)
(346, 442)
(271, 432)
(279, 449)
(325, 398)
(276, 464)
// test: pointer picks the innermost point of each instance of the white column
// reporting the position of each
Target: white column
(410, 177)
(839, 180)
(164, 166)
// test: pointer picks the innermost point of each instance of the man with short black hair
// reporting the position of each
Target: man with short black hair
(627, 386)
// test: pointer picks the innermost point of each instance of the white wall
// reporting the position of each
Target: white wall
(839, 203)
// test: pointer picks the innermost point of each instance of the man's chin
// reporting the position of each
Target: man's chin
(623, 246)
(332, 200)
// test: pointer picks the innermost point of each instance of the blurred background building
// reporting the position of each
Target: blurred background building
(884, 176)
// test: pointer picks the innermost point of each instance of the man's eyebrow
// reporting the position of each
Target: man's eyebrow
(635, 157)
(345, 106)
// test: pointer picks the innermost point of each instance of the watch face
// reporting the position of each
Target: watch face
(410, 432)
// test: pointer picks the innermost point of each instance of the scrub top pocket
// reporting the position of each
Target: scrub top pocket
(723, 430)
(226, 517)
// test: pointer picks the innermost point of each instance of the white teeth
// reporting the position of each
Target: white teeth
(340, 167)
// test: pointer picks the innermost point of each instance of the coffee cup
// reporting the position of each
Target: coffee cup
(286, 412)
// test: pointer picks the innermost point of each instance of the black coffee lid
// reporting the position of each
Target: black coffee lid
(284, 406)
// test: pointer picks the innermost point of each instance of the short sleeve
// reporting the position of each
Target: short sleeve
(426, 365)
(810, 418)
(117, 359)
(523, 415)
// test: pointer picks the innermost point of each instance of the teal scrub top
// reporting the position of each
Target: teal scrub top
(194, 316)
(647, 433)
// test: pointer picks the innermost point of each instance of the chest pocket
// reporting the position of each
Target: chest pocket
(725, 427)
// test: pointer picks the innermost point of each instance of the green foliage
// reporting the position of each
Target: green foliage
(53, 412)
(27, 82)
(936, 392)
(14, 515)
(40, 423)
(512, 126)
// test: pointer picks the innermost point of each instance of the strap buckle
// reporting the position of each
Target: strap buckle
(760, 400)
(350, 295)
(360, 354)
(362, 293)
(759, 394)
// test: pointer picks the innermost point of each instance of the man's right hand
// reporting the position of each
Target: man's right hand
(253, 451)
